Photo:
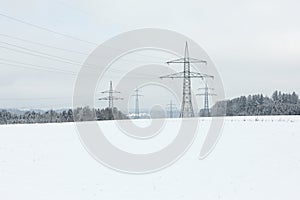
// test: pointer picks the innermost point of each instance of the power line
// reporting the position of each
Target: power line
(63, 34)
(46, 29)
(54, 57)
(36, 67)
(49, 56)
(40, 66)
(53, 69)
(17, 64)
(44, 45)
(32, 54)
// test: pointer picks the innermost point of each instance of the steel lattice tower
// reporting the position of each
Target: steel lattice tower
(206, 103)
(171, 105)
(186, 106)
(110, 98)
(137, 104)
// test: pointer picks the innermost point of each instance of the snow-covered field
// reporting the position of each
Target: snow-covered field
(256, 158)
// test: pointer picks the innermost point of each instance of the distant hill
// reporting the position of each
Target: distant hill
(21, 111)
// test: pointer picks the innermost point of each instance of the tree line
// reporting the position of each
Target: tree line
(278, 104)
(52, 116)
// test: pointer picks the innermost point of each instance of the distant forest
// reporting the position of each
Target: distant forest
(51, 116)
(278, 104)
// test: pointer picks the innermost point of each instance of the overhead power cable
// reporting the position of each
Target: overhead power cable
(33, 52)
(33, 67)
(65, 35)
(41, 44)
(57, 58)
(47, 29)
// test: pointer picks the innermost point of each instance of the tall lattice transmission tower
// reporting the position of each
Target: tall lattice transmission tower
(186, 106)
(206, 94)
(171, 108)
(137, 103)
(110, 98)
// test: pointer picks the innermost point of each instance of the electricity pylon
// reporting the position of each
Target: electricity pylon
(206, 93)
(186, 106)
(137, 105)
(170, 107)
(110, 98)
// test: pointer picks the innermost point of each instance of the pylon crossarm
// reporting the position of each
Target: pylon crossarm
(117, 98)
(108, 91)
(108, 98)
(200, 75)
(104, 98)
(190, 75)
(187, 60)
(194, 60)
(175, 75)
(180, 60)
(206, 88)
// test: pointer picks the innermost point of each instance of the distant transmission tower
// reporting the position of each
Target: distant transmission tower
(110, 98)
(137, 104)
(171, 108)
(206, 110)
(186, 75)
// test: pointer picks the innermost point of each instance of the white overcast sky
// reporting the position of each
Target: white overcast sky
(254, 44)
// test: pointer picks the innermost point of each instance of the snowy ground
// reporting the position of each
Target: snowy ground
(256, 158)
